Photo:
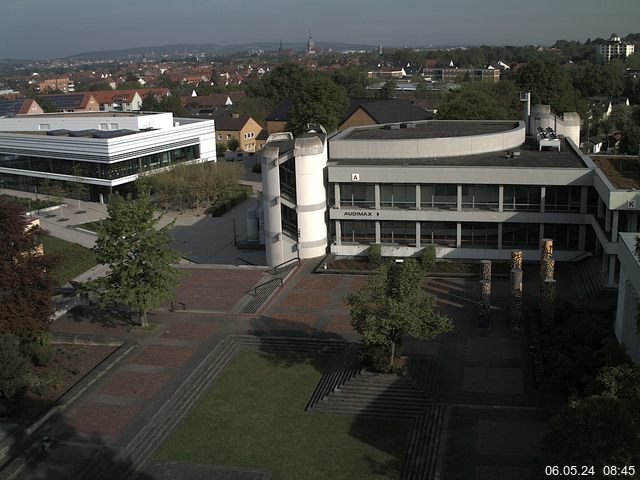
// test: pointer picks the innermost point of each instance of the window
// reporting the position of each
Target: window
(228, 137)
(398, 195)
(113, 126)
(357, 195)
(219, 137)
(358, 231)
(289, 221)
(479, 235)
(439, 196)
(402, 233)
(521, 198)
(565, 237)
(438, 233)
(288, 179)
(562, 199)
(480, 197)
(44, 126)
(104, 126)
(520, 235)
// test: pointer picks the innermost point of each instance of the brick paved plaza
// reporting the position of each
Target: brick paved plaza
(485, 375)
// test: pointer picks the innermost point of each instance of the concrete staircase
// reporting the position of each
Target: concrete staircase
(591, 282)
(262, 293)
(425, 448)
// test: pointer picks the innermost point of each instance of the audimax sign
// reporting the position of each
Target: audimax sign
(360, 213)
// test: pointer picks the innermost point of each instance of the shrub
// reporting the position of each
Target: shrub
(376, 357)
(375, 255)
(41, 354)
(428, 257)
(14, 374)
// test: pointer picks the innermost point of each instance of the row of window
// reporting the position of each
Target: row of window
(474, 197)
(108, 171)
(473, 234)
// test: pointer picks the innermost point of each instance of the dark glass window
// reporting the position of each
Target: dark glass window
(289, 221)
(402, 233)
(358, 232)
(520, 235)
(357, 195)
(565, 237)
(288, 179)
(439, 196)
(398, 195)
(438, 233)
(521, 198)
(562, 199)
(480, 197)
(479, 235)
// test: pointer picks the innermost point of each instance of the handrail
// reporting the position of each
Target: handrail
(274, 270)
(245, 261)
(255, 289)
(579, 257)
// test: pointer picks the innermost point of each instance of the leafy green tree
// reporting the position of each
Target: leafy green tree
(282, 82)
(172, 104)
(25, 282)
(150, 103)
(233, 144)
(255, 107)
(78, 189)
(482, 101)
(388, 90)
(319, 100)
(353, 79)
(549, 84)
(392, 305)
(141, 263)
(14, 372)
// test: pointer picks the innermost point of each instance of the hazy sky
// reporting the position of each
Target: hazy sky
(55, 28)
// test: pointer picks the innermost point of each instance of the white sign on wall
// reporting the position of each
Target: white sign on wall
(355, 177)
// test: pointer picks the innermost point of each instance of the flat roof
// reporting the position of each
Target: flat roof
(621, 170)
(529, 157)
(88, 114)
(431, 129)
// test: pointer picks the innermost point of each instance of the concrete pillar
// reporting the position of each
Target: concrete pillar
(376, 196)
(584, 193)
(338, 232)
(418, 197)
(614, 225)
(600, 205)
(336, 193)
(632, 222)
(611, 281)
(500, 202)
(459, 198)
(624, 289)
(500, 236)
(274, 243)
(543, 195)
(377, 231)
(582, 236)
(607, 220)
(541, 236)
(418, 243)
(458, 235)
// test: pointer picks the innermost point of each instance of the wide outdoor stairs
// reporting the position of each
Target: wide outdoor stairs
(358, 392)
(590, 281)
(143, 445)
(262, 293)
(423, 457)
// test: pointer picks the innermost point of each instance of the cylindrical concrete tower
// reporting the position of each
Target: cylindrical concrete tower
(273, 240)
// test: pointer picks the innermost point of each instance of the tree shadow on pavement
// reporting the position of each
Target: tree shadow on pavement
(105, 317)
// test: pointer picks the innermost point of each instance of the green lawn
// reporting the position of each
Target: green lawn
(28, 204)
(74, 259)
(91, 226)
(253, 417)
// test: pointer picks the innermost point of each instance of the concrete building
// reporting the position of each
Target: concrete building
(614, 47)
(64, 84)
(626, 326)
(242, 128)
(106, 151)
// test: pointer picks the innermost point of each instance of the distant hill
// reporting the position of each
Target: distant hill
(209, 49)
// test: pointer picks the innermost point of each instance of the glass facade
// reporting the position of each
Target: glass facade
(479, 235)
(357, 195)
(398, 195)
(358, 232)
(562, 199)
(480, 197)
(438, 233)
(565, 237)
(520, 235)
(439, 196)
(521, 198)
(289, 221)
(105, 171)
(287, 172)
(398, 233)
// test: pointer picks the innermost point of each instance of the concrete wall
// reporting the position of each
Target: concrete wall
(626, 327)
(346, 148)
(82, 121)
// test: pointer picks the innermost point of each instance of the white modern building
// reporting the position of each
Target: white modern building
(107, 151)
(615, 47)
(626, 326)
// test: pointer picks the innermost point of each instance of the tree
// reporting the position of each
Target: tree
(549, 84)
(393, 304)
(78, 188)
(150, 103)
(353, 79)
(14, 372)
(388, 90)
(25, 284)
(141, 263)
(602, 428)
(233, 144)
(319, 100)
(482, 101)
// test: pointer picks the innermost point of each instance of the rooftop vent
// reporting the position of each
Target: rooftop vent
(407, 125)
(392, 126)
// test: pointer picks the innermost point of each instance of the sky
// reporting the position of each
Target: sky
(40, 29)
